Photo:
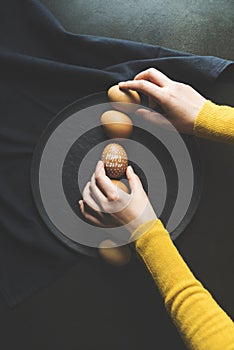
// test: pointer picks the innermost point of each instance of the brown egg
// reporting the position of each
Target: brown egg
(116, 94)
(117, 256)
(115, 160)
(116, 124)
(120, 185)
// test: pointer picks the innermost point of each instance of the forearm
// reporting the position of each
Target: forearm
(215, 123)
(200, 321)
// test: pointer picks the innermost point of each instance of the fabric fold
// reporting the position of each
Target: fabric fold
(43, 69)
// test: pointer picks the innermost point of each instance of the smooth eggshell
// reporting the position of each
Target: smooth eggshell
(115, 160)
(120, 185)
(115, 94)
(117, 256)
(116, 124)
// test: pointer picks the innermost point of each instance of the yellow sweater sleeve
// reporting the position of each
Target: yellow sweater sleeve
(215, 123)
(201, 322)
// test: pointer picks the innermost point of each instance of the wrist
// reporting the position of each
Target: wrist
(196, 113)
(142, 229)
(147, 216)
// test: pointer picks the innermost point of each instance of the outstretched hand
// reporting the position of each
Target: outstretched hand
(179, 102)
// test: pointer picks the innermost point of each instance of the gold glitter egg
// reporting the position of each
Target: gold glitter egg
(115, 160)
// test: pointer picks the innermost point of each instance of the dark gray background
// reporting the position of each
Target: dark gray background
(196, 26)
(67, 314)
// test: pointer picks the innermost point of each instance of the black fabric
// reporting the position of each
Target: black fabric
(44, 68)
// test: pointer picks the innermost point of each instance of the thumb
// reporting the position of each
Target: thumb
(133, 179)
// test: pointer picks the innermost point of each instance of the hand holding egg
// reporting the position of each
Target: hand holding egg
(115, 205)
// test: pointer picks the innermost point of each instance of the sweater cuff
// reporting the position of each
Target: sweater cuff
(149, 229)
(215, 123)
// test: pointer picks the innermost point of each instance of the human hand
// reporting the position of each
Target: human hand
(106, 205)
(179, 102)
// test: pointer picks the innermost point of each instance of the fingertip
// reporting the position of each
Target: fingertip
(100, 168)
(129, 172)
(81, 205)
(141, 111)
(130, 169)
(133, 178)
(99, 164)
(123, 84)
(137, 77)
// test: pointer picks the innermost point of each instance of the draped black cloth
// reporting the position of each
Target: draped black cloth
(43, 69)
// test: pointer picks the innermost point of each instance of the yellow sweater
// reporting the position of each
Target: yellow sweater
(199, 319)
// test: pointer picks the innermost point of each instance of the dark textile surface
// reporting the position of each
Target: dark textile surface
(43, 69)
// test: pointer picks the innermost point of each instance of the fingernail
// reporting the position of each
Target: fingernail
(122, 83)
(80, 201)
(130, 168)
(99, 164)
